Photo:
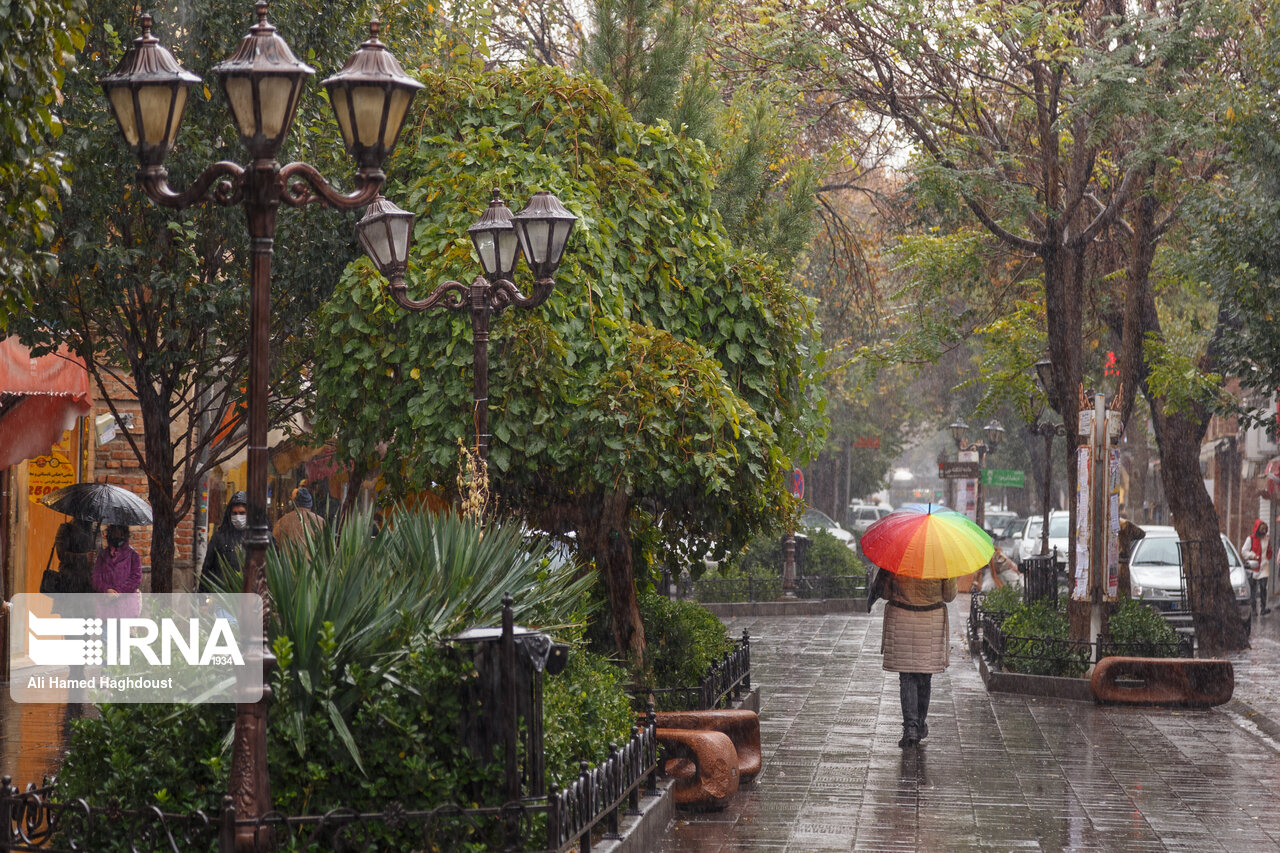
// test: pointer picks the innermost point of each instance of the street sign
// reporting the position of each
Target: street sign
(1003, 477)
(797, 482)
(867, 442)
(958, 470)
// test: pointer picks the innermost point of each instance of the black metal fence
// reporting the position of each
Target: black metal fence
(34, 820)
(1052, 656)
(809, 587)
(724, 682)
(1040, 578)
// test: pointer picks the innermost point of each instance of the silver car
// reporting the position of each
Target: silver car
(1155, 569)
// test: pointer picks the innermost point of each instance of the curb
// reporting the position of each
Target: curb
(787, 607)
(643, 833)
(1048, 686)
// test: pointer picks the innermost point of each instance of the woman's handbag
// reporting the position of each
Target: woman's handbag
(51, 580)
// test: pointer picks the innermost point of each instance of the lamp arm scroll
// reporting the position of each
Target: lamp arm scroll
(303, 184)
(503, 294)
(452, 295)
(224, 177)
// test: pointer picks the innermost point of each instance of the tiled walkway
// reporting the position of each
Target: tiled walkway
(999, 772)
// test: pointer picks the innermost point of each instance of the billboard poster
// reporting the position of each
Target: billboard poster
(1080, 583)
(1113, 526)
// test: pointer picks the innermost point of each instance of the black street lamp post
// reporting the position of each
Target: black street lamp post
(262, 81)
(1046, 430)
(994, 434)
(539, 232)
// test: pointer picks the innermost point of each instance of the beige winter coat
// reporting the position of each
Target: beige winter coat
(916, 640)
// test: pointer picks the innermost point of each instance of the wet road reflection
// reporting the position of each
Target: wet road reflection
(999, 772)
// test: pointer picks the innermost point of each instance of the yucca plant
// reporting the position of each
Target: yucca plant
(344, 603)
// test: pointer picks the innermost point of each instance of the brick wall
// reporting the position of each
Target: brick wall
(115, 462)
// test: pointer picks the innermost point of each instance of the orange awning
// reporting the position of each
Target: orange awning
(40, 398)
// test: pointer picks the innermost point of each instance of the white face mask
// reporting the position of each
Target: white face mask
(239, 522)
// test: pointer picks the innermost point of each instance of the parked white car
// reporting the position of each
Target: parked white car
(1155, 570)
(1027, 542)
(862, 516)
(819, 520)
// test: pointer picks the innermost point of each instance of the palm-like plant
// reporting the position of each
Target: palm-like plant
(343, 602)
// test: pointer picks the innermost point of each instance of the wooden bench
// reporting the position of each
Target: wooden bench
(1163, 681)
(742, 728)
(703, 764)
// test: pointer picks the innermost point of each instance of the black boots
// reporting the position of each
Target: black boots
(913, 691)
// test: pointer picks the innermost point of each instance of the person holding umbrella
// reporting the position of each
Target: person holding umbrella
(925, 551)
(75, 544)
(118, 573)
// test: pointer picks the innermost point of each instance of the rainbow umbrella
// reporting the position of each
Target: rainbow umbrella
(933, 543)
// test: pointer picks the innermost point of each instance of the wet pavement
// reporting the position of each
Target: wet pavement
(999, 772)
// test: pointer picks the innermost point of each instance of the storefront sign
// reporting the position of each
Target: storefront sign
(47, 474)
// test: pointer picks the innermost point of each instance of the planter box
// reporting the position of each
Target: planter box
(1048, 686)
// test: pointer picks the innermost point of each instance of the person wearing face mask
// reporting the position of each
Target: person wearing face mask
(226, 548)
(118, 573)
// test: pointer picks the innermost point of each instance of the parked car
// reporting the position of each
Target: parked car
(1027, 542)
(1155, 570)
(995, 520)
(1009, 538)
(862, 516)
(818, 519)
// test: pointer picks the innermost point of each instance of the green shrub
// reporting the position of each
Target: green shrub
(1144, 631)
(425, 574)
(1002, 601)
(585, 709)
(1037, 643)
(826, 556)
(684, 639)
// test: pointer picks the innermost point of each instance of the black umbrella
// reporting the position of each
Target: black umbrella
(99, 502)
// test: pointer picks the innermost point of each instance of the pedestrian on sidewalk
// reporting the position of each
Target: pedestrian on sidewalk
(118, 573)
(226, 548)
(1255, 550)
(294, 527)
(915, 645)
(1001, 571)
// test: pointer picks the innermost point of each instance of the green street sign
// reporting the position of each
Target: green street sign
(1003, 477)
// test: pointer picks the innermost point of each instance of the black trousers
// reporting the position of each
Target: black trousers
(913, 690)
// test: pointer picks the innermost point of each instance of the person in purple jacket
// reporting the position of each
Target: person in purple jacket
(118, 573)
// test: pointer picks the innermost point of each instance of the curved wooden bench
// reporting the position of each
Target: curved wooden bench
(1163, 681)
(741, 726)
(703, 764)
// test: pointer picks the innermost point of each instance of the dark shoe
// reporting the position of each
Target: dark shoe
(910, 736)
(1266, 610)
(924, 731)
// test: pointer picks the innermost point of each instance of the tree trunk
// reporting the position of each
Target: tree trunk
(1219, 626)
(158, 466)
(606, 538)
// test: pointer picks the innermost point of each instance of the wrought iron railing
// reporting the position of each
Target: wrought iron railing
(725, 681)
(34, 820)
(1052, 656)
(809, 587)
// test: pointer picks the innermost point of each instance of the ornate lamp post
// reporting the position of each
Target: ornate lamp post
(994, 434)
(539, 232)
(262, 81)
(1046, 430)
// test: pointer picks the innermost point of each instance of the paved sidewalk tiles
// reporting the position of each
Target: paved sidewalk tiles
(999, 772)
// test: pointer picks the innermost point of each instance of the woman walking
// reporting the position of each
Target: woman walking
(915, 645)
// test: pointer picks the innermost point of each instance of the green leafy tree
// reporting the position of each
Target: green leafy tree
(668, 377)
(39, 40)
(1040, 132)
(158, 300)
